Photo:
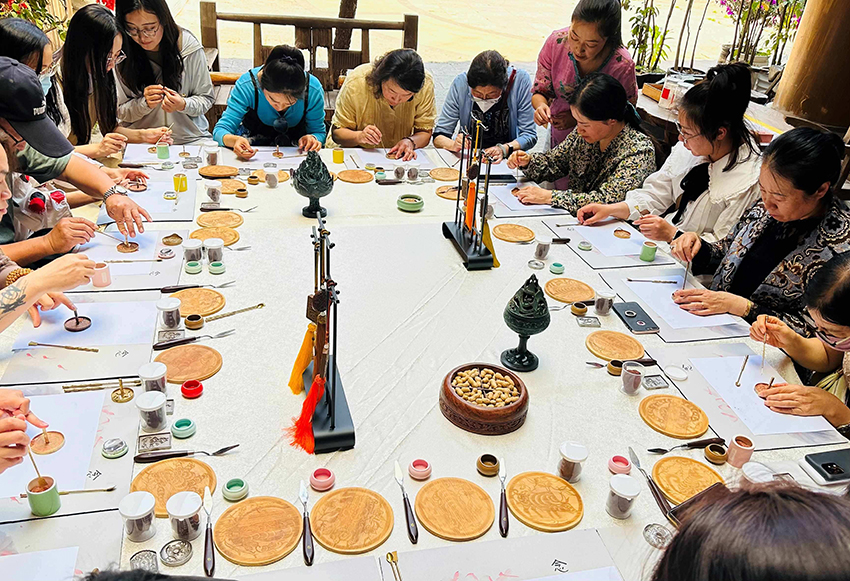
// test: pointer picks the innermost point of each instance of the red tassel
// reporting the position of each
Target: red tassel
(301, 430)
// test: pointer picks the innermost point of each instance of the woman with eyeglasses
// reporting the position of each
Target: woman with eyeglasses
(164, 81)
(711, 176)
(768, 260)
(278, 103)
(93, 48)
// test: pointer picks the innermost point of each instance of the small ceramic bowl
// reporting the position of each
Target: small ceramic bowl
(217, 268)
(192, 389)
(615, 367)
(193, 267)
(410, 202)
(556, 268)
(716, 454)
(235, 490)
(253, 180)
(619, 465)
(488, 465)
(194, 322)
(183, 428)
(242, 193)
(322, 479)
(585, 245)
(578, 309)
(419, 469)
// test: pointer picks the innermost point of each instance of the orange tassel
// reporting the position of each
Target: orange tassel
(301, 430)
(470, 205)
(305, 355)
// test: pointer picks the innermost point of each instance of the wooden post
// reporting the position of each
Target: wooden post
(364, 46)
(411, 31)
(816, 80)
(258, 45)
(209, 29)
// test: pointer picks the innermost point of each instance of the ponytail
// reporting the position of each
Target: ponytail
(284, 72)
(601, 97)
(806, 157)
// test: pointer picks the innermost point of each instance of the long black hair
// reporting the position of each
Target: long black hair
(806, 157)
(721, 101)
(136, 71)
(283, 72)
(607, 15)
(24, 41)
(488, 68)
(828, 292)
(403, 65)
(88, 45)
(600, 97)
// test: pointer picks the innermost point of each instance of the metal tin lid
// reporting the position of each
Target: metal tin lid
(573, 451)
(153, 370)
(213, 243)
(183, 504)
(145, 560)
(191, 244)
(168, 304)
(625, 486)
(113, 448)
(137, 505)
(150, 401)
(675, 372)
(535, 264)
(176, 553)
(212, 184)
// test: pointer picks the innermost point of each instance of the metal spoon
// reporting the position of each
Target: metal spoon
(238, 248)
(558, 308)
(689, 445)
(148, 457)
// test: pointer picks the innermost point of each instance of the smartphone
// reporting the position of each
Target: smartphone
(635, 318)
(832, 466)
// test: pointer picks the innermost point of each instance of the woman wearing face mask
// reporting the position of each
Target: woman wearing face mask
(276, 104)
(711, 176)
(778, 245)
(164, 80)
(593, 42)
(604, 158)
(826, 299)
(497, 94)
(388, 104)
(93, 48)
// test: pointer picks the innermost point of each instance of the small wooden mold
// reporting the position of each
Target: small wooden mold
(673, 416)
(47, 443)
(356, 176)
(168, 477)
(187, 362)
(513, 233)
(350, 521)
(128, 247)
(544, 502)
(681, 478)
(445, 174)
(611, 345)
(258, 531)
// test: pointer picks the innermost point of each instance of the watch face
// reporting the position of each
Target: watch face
(121, 190)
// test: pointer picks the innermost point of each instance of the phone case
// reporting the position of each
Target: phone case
(635, 318)
(840, 459)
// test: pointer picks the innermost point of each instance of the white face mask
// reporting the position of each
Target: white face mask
(485, 104)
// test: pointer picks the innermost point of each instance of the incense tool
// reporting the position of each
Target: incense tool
(307, 545)
(127, 260)
(236, 312)
(180, 287)
(763, 349)
(82, 491)
(392, 559)
(161, 137)
(41, 480)
(69, 347)
(209, 548)
(149, 457)
(162, 345)
(652, 280)
(122, 394)
(741, 373)
(653, 487)
(503, 501)
(98, 385)
(689, 446)
(108, 235)
(685, 278)
(412, 529)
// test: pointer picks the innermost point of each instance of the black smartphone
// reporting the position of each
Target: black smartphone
(832, 466)
(635, 318)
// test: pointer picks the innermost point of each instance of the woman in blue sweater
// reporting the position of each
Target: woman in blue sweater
(500, 96)
(276, 104)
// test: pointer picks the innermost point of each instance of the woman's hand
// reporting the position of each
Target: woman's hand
(65, 273)
(173, 101)
(123, 175)
(778, 334)
(704, 302)
(495, 154)
(127, 214)
(111, 143)
(68, 233)
(154, 95)
(592, 213)
(13, 442)
(404, 150)
(156, 135)
(686, 246)
(309, 143)
(543, 115)
(534, 195)
(369, 137)
(241, 146)
(656, 228)
(518, 159)
(803, 400)
(48, 302)
(457, 144)
(13, 403)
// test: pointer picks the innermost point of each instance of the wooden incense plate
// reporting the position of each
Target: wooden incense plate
(569, 290)
(52, 443)
(454, 509)
(513, 233)
(447, 192)
(215, 172)
(165, 478)
(351, 520)
(220, 219)
(199, 301)
(282, 176)
(355, 176)
(258, 531)
(673, 416)
(445, 174)
(228, 235)
(483, 420)
(681, 478)
(544, 502)
(192, 361)
(230, 186)
(610, 345)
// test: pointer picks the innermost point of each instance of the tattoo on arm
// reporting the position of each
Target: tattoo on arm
(13, 297)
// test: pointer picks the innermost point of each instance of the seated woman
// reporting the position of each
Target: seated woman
(781, 241)
(92, 50)
(275, 104)
(605, 157)
(826, 299)
(388, 104)
(497, 94)
(164, 81)
(711, 176)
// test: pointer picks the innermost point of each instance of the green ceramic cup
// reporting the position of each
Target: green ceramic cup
(43, 502)
(162, 151)
(647, 253)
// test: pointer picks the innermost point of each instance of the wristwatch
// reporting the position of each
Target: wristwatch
(116, 189)
(844, 430)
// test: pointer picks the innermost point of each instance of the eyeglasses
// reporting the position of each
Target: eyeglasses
(116, 60)
(838, 343)
(50, 70)
(146, 32)
(685, 138)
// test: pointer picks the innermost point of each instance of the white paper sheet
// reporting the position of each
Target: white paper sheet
(601, 574)
(721, 373)
(659, 298)
(162, 210)
(77, 417)
(264, 155)
(55, 565)
(603, 239)
(502, 192)
(138, 153)
(378, 156)
(119, 323)
(501, 168)
(102, 248)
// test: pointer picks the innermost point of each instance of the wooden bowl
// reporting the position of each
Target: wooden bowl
(482, 420)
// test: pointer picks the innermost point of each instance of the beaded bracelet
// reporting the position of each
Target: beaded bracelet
(16, 274)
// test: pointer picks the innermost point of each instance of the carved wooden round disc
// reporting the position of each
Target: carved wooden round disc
(152, 149)
(447, 192)
(77, 324)
(681, 478)
(569, 290)
(282, 176)
(610, 345)
(228, 235)
(172, 240)
(621, 233)
(445, 174)
(225, 219)
(230, 186)
(128, 247)
(42, 446)
(513, 233)
(137, 187)
(355, 176)
(168, 477)
(673, 416)
(351, 520)
(258, 531)
(544, 501)
(454, 509)
(215, 172)
(199, 301)
(192, 361)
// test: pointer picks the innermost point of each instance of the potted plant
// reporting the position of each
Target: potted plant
(648, 44)
(752, 17)
(38, 12)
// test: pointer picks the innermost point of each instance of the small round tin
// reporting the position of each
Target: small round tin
(176, 553)
(322, 479)
(419, 469)
(676, 373)
(183, 428)
(217, 268)
(189, 165)
(167, 165)
(716, 454)
(410, 202)
(585, 245)
(193, 267)
(192, 389)
(370, 167)
(234, 490)
(380, 175)
(113, 448)
(487, 465)
(166, 253)
(145, 560)
(579, 309)
(657, 536)
(242, 193)
(269, 164)
(253, 180)
(169, 195)
(535, 264)
(619, 465)
(615, 367)
(556, 268)
(244, 171)
(194, 322)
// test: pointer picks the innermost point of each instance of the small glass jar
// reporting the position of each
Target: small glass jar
(151, 406)
(137, 510)
(215, 249)
(213, 189)
(573, 455)
(632, 377)
(544, 243)
(211, 153)
(399, 171)
(184, 511)
(604, 302)
(192, 250)
(621, 498)
(271, 179)
(413, 171)
(153, 376)
(169, 312)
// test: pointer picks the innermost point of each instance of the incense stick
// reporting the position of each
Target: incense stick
(41, 480)
(126, 261)
(738, 381)
(69, 347)
(685, 279)
(651, 280)
(109, 236)
(354, 161)
(763, 348)
(46, 437)
(163, 135)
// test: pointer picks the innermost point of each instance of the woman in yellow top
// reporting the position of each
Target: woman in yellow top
(388, 104)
